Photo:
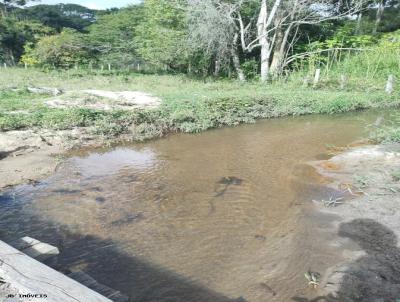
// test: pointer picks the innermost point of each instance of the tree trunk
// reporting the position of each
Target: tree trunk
(278, 54)
(236, 60)
(379, 15)
(263, 40)
(358, 27)
(264, 60)
(239, 71)
(12, 57)
(281, 41)
(4, 11)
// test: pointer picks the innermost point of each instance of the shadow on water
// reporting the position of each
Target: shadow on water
(147, 282)
(105, 261)
(373, 277)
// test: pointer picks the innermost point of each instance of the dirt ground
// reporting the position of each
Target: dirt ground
(367, 225)
(29, 155)
(104, 100)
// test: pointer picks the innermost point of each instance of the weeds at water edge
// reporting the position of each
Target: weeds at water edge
(331, 202)
(313, 279)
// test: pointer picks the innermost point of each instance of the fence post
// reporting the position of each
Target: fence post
(306, 81)
(343, 80)
(5, 65)
(217, 68)
(102, 67)
(26, 65)
(317, 77)
(109, 67)
(389, 84)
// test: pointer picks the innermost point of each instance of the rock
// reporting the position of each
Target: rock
(45, 90)
(105, 100)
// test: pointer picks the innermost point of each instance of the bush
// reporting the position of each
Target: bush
(64, 50)
(250, 69)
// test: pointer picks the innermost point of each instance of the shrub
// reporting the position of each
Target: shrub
(63, 50)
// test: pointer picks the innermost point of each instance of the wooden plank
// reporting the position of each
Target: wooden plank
(29, 276)
(106, 291)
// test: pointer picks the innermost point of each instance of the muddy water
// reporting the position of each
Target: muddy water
(219, 216)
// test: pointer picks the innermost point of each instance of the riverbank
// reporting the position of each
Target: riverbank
(248, 183)
(365, 228)
(37, 124)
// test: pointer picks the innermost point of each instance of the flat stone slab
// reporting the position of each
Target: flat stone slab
(35, 249)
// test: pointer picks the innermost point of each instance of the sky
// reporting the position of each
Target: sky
(93, 4)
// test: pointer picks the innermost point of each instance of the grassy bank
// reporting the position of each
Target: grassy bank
(189, 105)
(388, 132)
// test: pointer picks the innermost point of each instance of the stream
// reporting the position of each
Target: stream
(225, 215)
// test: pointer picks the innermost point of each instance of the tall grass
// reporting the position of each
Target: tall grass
(365, 70)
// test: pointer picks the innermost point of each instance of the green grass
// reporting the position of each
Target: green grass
(365, 70)
(189, 105)
(388, 132)
(396, 175)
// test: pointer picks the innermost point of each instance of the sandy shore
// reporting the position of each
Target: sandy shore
(29, 155)
(366, 207)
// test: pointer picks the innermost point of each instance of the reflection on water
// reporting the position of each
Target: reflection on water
(109, 163)
(218, 216)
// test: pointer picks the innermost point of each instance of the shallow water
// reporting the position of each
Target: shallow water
(218, 216)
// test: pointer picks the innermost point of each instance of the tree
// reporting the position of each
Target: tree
(161, 37)
(8, 5)
(14, 35)
(59, 16)
(381, 5)
(212, 31)
(113, 35)
(63, 50)
(280, 20)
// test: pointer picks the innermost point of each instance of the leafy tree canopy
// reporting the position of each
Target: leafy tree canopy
(59, 16)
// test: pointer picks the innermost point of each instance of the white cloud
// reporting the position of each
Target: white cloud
(92, 5)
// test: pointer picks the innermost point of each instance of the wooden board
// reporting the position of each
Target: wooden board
(29, 276)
